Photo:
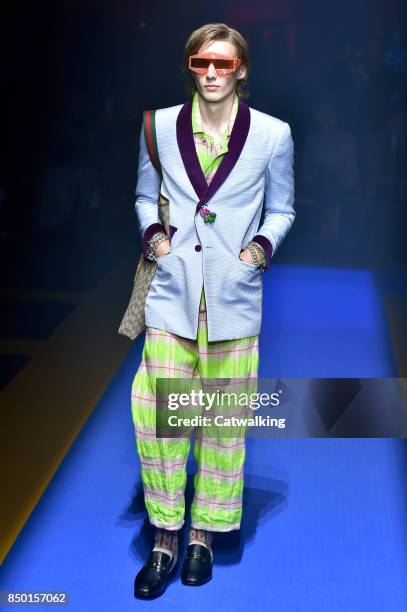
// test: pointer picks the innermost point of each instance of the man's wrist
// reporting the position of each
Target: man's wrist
(267, 247)
(151, 230)
(153, 243)
(257, 253)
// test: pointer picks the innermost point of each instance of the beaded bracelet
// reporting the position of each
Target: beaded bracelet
(153, 243)
(254, 254)
(257, 252)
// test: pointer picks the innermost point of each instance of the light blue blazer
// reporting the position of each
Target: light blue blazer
(256, 172)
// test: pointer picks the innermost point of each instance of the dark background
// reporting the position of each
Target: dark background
(76, 78)
(78, 74)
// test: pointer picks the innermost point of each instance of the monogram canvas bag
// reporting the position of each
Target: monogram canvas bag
(133, 322)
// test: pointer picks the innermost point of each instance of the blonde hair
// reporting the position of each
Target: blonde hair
(208, 33)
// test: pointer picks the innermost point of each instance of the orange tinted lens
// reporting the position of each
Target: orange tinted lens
(224, 64)
(200, 62)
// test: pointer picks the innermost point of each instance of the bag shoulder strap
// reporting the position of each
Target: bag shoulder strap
(151, 139)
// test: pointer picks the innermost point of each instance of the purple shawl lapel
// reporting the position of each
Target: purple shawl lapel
(189, 155)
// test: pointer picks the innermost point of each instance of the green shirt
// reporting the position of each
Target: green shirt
(210, 153)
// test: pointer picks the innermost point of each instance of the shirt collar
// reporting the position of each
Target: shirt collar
(197, 118)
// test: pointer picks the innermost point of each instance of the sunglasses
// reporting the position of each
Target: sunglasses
(223, 64)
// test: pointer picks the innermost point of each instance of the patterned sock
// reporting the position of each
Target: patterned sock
(166, 540)
(200, 536)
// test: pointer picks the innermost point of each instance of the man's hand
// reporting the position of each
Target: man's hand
(246, 256)
(163, 248)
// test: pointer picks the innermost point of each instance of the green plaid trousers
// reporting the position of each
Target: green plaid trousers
(218, 481)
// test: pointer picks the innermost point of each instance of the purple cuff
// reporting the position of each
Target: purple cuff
(267, 246)
(172, 229)
(149, 233)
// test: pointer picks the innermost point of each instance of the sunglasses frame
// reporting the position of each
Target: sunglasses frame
(211, 55)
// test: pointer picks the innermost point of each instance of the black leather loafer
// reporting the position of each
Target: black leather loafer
(197, 566)
(153, 576)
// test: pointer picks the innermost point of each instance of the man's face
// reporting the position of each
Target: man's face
(224, 85)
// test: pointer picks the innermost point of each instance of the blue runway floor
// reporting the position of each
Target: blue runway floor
(324, 524)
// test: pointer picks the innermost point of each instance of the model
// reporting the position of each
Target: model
(223, 163)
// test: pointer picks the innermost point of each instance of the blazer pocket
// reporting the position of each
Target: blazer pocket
(163, 257)
(249, 265)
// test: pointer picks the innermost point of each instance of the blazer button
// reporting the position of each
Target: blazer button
(198, 247)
